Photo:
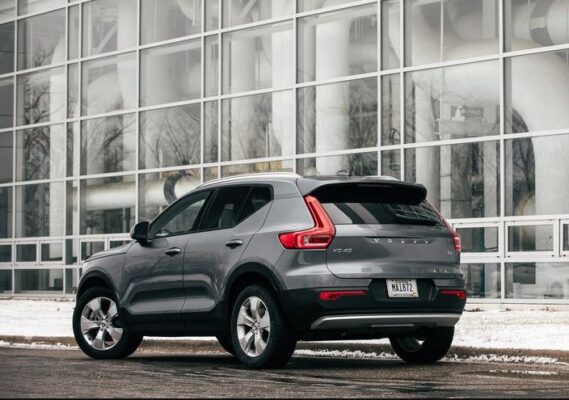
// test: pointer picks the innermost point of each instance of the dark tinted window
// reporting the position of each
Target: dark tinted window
(181, 218)
(225, 211)
(376, 205)
(259, 196)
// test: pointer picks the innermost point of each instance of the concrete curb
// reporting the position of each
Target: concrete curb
(334, 348)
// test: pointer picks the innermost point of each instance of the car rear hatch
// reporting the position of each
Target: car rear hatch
(385, 229)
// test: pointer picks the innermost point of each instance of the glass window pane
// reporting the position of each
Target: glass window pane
(391, 163)
(71, 251)
(357, 164)
(36, 6)
(39, 280)
(181, 218)
(5, 253)
(337, 116)
(73, 34)
(41, 40)
(462, 179)
(170, 137)
(109, 84)
(160, 189)
(534, 170)
(72, 210)
(453, 102)
(7, 103)
(211, 68)
(7, 38)
(537, 280)
(535, 23)
(51, 252)
(391, 109)
(41, 97)
(536, 92)
(260, 167)
(479, 240)
(258, 58)
(108, 144)
(72, 90)
(482, 281)
(5, 281)
(565, 237)
(108, 25)
(226, 208)
(179, 69)
(107, 205)
(118, 243)
(40, 153)
(73, 149)
(257, 126)
(308, 5)
(237, 12)
(90, 248)
(169, 19)
(26, 252)
(39, 210)
(210, 173)
(443, 30)
(212, 15)
(71, 280)
(530, 238)
(391, 41)
(7, 10)
(6, 212)
(353, 33)
(211, 118)
(6, 156)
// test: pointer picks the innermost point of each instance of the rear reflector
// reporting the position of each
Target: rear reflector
(335, 295)
(316, 238)
(461, 294)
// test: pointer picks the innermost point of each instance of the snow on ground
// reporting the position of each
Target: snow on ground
(524, 329)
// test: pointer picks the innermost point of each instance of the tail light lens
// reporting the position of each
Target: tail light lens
(461, 294)
(316, 238)
(453, 233)
(338, 294)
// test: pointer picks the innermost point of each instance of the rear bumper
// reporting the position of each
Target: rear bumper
(374, 321)
(373, 314)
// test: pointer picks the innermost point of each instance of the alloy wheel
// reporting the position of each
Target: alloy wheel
(253, 326)
(100, 324)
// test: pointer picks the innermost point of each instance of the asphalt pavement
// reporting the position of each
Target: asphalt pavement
(153, 373)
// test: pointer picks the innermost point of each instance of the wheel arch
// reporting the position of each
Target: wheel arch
(93, 279)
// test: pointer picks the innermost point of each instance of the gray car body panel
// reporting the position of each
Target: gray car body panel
(187, 293)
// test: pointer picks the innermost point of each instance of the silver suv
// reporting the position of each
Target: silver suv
(262, 261)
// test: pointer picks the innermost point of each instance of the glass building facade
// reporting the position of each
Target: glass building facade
(112, 109)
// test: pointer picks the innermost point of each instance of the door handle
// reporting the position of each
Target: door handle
(234, 243)
(172, 251)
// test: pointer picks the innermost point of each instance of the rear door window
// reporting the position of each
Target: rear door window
(225, 210)
(381, 205)
(259, 196)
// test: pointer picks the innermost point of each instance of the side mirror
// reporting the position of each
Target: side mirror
(139, 232)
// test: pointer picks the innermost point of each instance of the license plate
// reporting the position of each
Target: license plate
(402, 288)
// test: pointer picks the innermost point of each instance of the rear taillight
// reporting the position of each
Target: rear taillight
(338, 294)
(460, 294)
(316, 238)
(453, 233)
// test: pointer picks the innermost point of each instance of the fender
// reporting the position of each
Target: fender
(99, 274)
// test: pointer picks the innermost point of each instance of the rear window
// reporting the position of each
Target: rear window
(362, 205)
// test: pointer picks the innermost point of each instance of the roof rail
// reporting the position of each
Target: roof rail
(245, 176)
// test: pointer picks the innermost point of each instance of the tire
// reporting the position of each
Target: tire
(226, 343)
(102, 336)
(272, 335)
(436, 343)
